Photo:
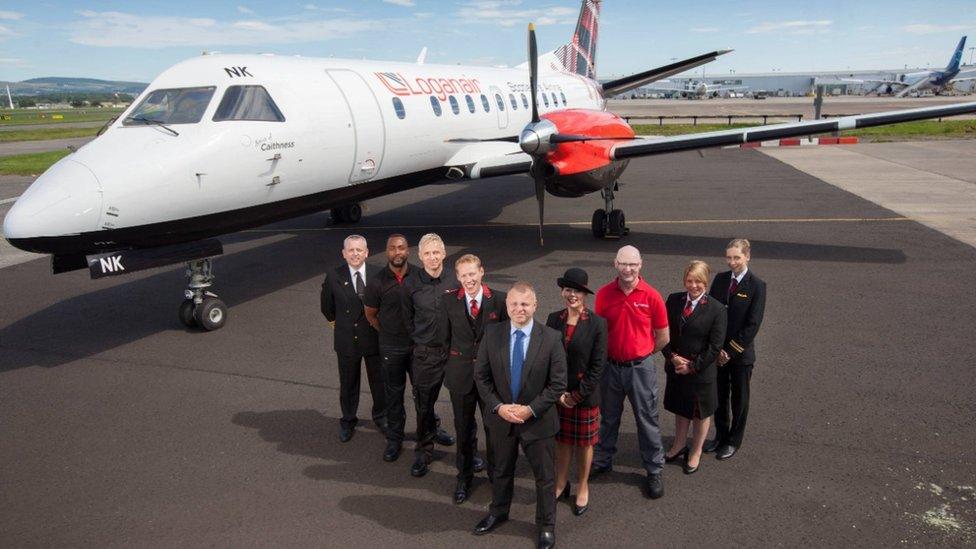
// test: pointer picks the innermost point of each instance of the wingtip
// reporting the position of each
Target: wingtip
(531, 26)
(725, 51)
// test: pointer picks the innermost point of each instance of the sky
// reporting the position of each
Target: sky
(135, 41)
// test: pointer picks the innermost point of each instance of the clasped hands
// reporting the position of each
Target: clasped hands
(682, 365)
(567, 400)
(514, 413)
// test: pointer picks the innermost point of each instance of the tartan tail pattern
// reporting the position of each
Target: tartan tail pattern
(579, 56)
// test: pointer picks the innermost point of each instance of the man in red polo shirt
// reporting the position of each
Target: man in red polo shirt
(638, 327)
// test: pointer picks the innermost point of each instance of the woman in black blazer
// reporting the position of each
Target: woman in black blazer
(584, 335)
(697, 326)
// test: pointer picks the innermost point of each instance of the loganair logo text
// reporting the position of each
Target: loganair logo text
(438, 87)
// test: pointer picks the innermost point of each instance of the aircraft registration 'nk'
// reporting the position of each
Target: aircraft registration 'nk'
(219, 144)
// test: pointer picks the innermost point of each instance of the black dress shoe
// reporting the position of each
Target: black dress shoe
(345, 433)
(392, 451)
(654, 485)
(419, 467)
(461, 492)
(477, 464)
(710, 446)
(565, 493)
(682, 454)
(598, 470)
(488, 524)
(689, 470)
(547, 540)
(725, 452)
(444, 438)
(580, 509)
(382, 426)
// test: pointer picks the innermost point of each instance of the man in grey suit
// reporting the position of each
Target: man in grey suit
(520, 373)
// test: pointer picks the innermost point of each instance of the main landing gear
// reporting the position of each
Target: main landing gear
(609, 223)
(201, 308)
(350, 213)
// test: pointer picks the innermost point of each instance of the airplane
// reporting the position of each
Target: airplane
(222, 143)
(695, 89)
(918, 82)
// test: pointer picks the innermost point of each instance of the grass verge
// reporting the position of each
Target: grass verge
(30, 164)
(13, 136)
(34, 116)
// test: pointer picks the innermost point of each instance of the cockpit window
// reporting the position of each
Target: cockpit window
(248, 103)
(172, 106)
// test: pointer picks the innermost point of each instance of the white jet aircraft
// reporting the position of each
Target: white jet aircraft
(218, 144)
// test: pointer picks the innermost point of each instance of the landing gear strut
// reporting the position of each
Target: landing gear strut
(609, 223)
(350, 213)
(201, 308)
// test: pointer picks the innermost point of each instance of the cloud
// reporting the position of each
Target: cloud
(508, 13)
(925, 28)
(11, 15)
(12, 62)
(792, 27)
(117, 29)
(404, 3)
(6, 33)
(245, 10)
(705, 29)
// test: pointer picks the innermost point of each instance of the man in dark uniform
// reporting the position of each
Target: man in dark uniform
(354, 339)
(424, 292)
(744, 294)
(468, 311)
(386, 312)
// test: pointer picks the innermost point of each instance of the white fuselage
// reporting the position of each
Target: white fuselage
(341, 128)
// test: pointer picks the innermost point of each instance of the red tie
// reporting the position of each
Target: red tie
(733, 286)
(474, 308)
(688, 309)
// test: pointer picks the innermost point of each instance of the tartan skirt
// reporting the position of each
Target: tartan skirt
(579, 425)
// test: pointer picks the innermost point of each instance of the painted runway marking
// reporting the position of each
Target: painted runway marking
(9, 200)
(586, 223)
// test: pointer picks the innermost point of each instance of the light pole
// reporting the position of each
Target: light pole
(971, 50)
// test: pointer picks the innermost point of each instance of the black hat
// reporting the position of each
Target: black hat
(574, 278)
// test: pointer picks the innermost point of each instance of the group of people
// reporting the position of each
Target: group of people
(555, 390)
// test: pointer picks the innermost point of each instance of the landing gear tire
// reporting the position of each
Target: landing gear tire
(210, 314)
(336, 215)
(616, 224)
(350, 213)
(599, 224)
(186, 314)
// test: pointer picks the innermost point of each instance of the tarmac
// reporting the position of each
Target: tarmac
(122, 428)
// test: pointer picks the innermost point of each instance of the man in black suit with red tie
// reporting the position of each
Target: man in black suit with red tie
(744, 295)
(473, 307)
(354, 339)
(520, 374)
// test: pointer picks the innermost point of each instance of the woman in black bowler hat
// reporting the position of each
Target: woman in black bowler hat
(585, 338)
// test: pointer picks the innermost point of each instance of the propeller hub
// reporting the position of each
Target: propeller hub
(535, 138)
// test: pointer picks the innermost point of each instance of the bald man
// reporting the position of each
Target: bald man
(637, 323)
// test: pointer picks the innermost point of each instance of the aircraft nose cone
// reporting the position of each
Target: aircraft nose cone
(65, 200)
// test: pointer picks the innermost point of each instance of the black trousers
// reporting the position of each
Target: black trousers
(733, 403)
(396, 368)
(466, 427)
(428, 376)
(541, 455)
(349, 376)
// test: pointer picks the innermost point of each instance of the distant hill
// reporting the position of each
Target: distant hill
(55, 84)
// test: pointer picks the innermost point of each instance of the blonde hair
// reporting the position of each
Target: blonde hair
(467, 258)
(740, 243)
(698, 270)
(521, 287)
(430, 238)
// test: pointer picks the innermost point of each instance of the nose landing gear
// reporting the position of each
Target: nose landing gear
(201, 308)
(609, 223)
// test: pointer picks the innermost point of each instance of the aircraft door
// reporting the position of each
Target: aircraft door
(501, 106)
(368, 125)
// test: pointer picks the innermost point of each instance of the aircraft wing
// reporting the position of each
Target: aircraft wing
(633, 81)
(724, 138)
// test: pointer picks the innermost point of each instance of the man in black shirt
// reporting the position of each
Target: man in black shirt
(428, 329)
(385, 311)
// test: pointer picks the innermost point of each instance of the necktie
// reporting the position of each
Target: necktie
(688, 309)
(474, 308)
(358, 284)
(518, 359)
(733, 286)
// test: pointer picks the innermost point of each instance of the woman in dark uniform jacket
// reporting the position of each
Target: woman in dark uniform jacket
(697, 326)
(585, 338)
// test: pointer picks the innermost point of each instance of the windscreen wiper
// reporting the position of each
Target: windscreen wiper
(145, 120)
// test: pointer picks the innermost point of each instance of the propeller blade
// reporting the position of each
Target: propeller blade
(506, 139)
(570, 138)
(540, 197)
(533, 72)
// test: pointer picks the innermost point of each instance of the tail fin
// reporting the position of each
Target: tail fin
(579, 56)
(953, 65)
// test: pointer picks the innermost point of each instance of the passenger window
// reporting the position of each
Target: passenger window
(500, 102)
(563, 95)
(247, 103)
(470, 102)
(545, 99)
(525, 101)
(514, 102)
(436, 105)
(171, 106)
(454, 104)
(484, 103)
(555, 102)
(398, 107)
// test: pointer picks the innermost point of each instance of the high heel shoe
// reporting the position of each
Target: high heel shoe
(671, 459)
(565, 493)
(689, 470)
(580, 509)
